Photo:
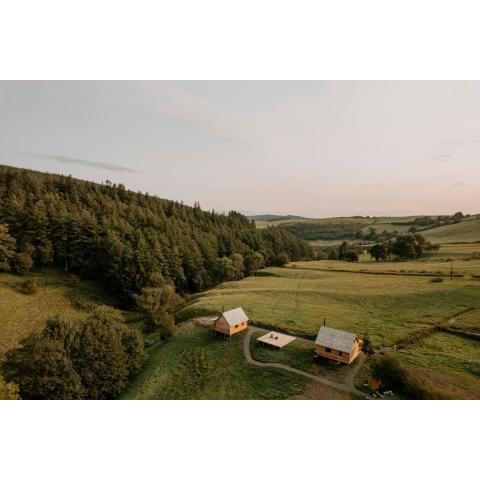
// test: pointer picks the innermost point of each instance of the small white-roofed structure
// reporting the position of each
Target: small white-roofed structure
(231, 322)
(235, 316)
(337, 345)
(275, 339)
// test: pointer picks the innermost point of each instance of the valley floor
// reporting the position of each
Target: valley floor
(391, 301)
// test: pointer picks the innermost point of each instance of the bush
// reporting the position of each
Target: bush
(157, 306)
(367, 346)
(72, 280)
(395, 376)
(22, 263)
(8, 390)
(436, 279)
(92, 360)
(29, 287)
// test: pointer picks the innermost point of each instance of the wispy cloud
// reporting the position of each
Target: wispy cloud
(457, 184)
(443, 158)
(447, 148)
(367, 185)
(79, 161)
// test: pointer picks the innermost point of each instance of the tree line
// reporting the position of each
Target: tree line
(404, 247)
(129, 240)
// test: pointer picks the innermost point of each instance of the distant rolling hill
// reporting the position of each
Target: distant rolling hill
(338, 228)
(466, 231)
(274, 220)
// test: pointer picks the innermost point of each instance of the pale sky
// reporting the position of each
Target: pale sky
(320, 148)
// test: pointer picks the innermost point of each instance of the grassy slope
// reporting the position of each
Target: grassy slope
(21, 314)
(292, 219)
(262, 221)
(464, 257)
(466, 231)
(389, 307)
(448, 362)
(196, 365)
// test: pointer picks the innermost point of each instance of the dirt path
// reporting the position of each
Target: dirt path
(347, 387)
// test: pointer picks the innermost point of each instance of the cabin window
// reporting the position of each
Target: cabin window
(328, 349)
(340, 353)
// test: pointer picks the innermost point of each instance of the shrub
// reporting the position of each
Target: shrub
(42, 369)
(72, 280)
(280, 259)
(92, 360)
(7, 248)
(22, 263)
(28, 287)
(157, 306)
(8, 390)
(397, 377)
(367, 346)
(436, 279)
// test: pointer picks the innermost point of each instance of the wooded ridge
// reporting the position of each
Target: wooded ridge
(131, 240)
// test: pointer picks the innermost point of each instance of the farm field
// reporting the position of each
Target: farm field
(465, 231)
(262, 221)
(465, 257)
(468, 230)
(388, 307)
(194, 364)
(22, 314)
(448, 362)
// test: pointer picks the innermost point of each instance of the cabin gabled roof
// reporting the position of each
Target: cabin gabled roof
(235, 316)
(336, 339)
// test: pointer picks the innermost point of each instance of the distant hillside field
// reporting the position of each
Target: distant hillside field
(327, 230)
(466, 231)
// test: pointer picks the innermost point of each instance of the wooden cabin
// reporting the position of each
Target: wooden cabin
(231, 322)
(337, 345)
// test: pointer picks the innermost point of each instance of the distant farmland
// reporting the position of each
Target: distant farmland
(339, 228)
(389, 300)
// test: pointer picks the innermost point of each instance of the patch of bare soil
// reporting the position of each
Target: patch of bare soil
(205, 320)
(318, 391)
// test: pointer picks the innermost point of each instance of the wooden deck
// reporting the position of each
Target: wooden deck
(276, 339)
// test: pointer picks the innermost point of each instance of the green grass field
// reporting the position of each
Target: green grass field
(299, 354)
(448, 362)
(275, 220)
(465, 258)
(194, 364)
(22, 314)
(388, 307)
(466, 231)
(389, 300)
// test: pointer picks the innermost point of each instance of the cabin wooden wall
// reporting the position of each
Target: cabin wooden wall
(339, 356)
(238, 328)
(221, 325)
